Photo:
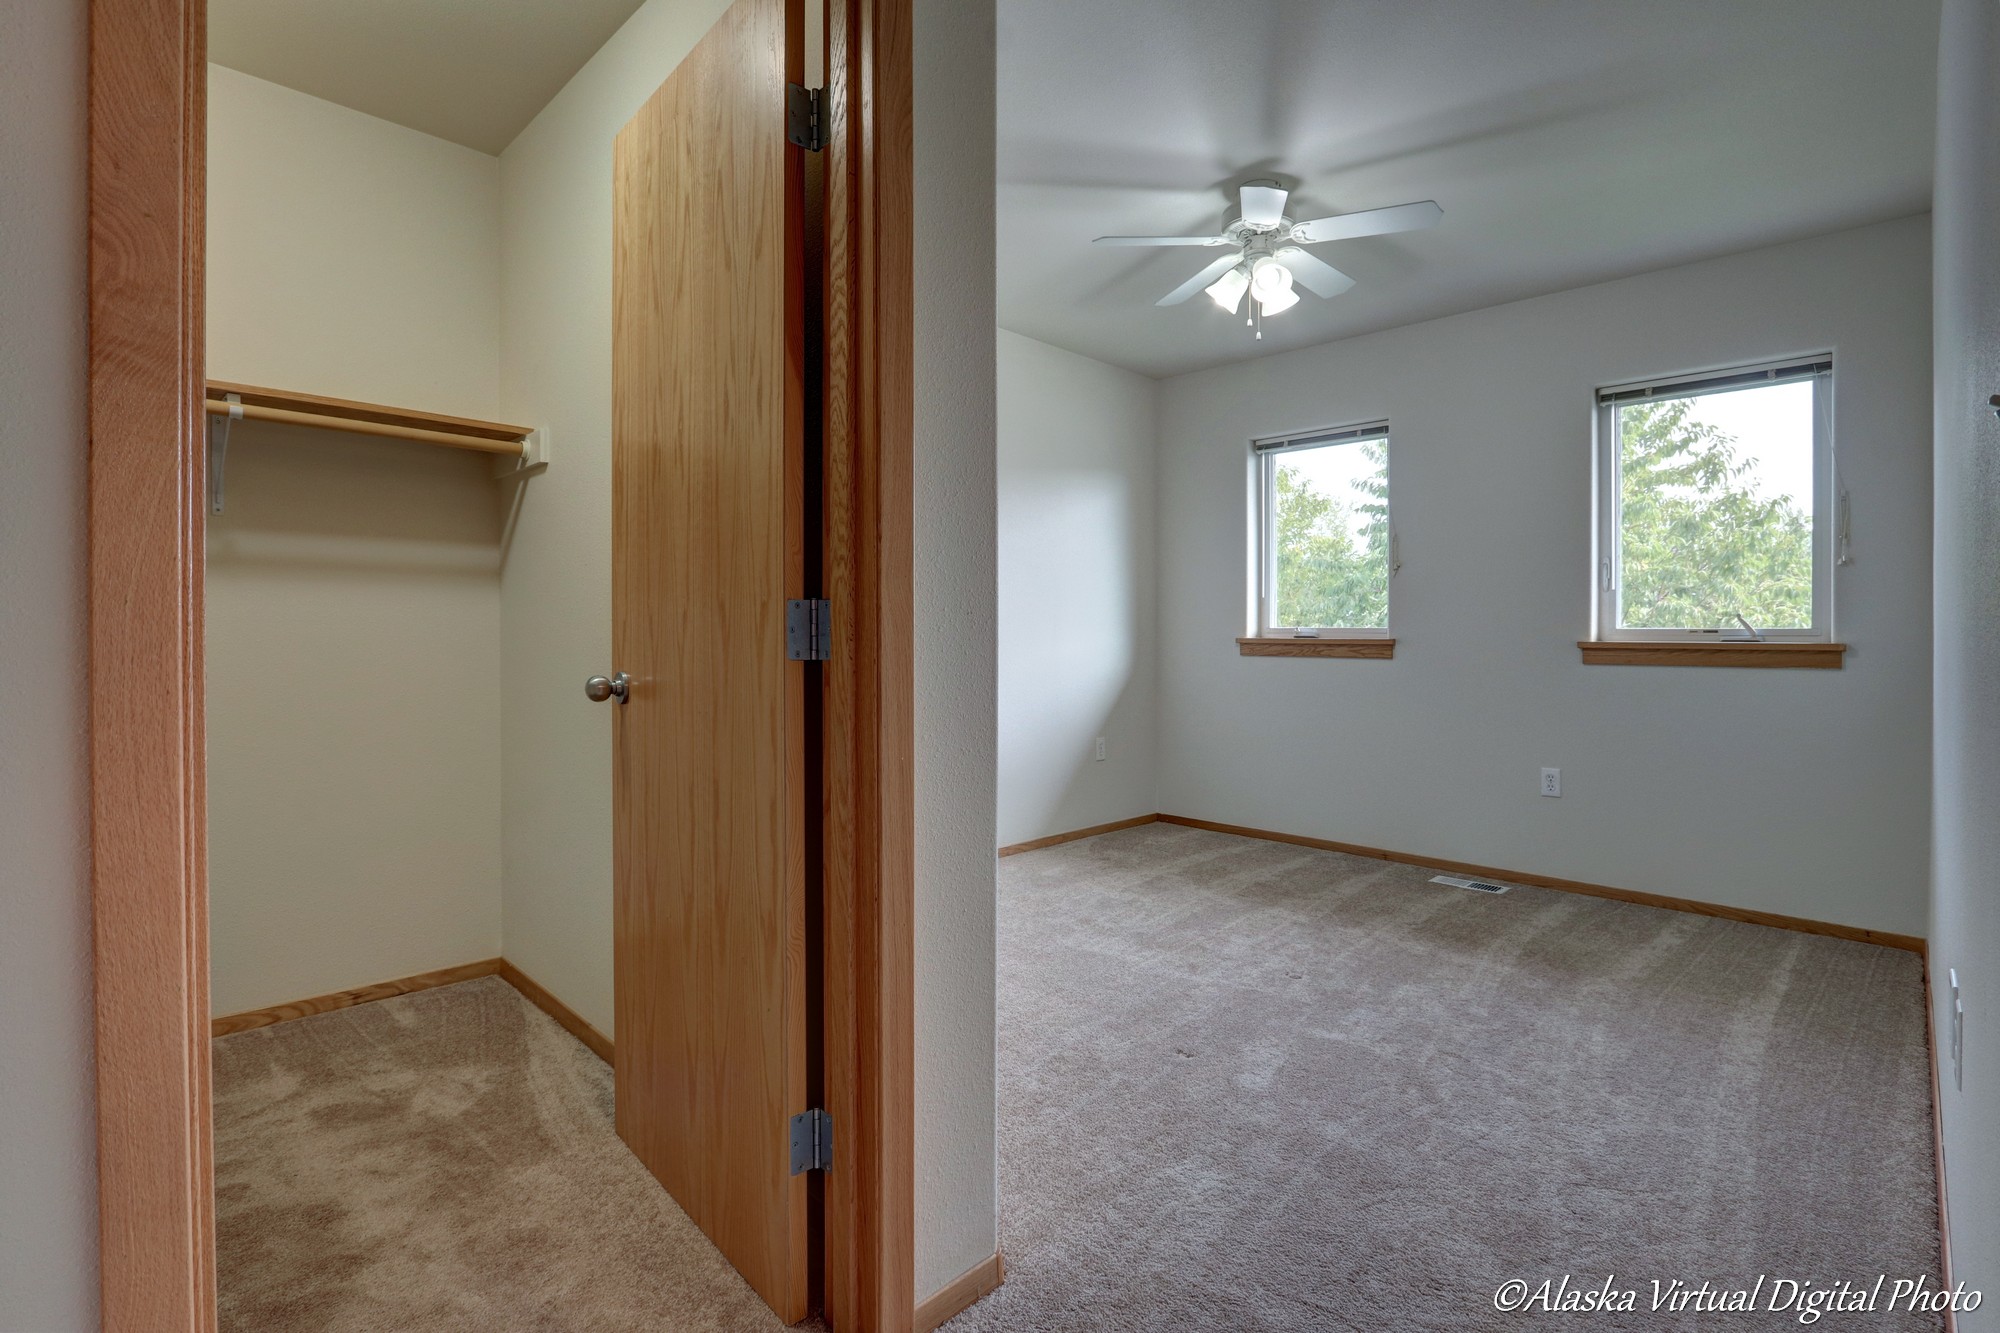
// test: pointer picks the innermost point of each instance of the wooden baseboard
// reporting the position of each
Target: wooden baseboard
(1056, 839)
(1937, 1146)
(530, 989)
(571, 1021)
(969, 1287)
(346, 999)
(1913, 943)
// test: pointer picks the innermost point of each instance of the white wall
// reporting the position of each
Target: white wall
(353, 715)
(957, 1193)
(1799, 792)
(348, 255)
(1965, 930)
(556, 584)
(48, 1175)
(1077, 638)
(353, 583)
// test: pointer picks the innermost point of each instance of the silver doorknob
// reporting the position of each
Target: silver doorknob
(600, 688)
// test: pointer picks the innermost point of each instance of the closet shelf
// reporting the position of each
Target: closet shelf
(306, 409)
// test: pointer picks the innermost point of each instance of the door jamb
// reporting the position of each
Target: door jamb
(869, 749)
(147, 150)
(147, 94)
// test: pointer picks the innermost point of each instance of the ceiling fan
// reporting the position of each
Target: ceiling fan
(1266, 253)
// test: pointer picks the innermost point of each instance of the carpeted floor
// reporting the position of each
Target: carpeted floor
(444, 1161)
(1245, 1085)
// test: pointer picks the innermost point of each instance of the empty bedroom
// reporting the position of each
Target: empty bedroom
(1465, 683)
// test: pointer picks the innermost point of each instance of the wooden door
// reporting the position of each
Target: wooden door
(707, 546)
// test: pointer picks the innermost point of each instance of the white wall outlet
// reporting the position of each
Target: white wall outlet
(1100, 749)
(1552, 782)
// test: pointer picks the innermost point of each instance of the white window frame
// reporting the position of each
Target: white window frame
(1264, 454)
(1826, 540)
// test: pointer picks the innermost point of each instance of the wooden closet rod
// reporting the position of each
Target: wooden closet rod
(306, 409)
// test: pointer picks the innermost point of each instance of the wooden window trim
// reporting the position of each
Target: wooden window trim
(1640, 652)
(1378, 648)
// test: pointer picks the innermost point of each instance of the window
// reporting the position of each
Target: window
(1325, 551)
(1713, 499)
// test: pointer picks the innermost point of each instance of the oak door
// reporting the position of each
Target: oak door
(707, 546)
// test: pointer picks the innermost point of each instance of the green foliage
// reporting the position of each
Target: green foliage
(1697, 547)
(1324, 579)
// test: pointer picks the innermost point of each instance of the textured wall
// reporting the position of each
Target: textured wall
(353, 583)
(1801, 792)
(955, 644)
(1965, 930)
(1077, 642)
(48, 1179)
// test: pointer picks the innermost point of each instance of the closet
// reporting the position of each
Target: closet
(501, 963)
(354, 546)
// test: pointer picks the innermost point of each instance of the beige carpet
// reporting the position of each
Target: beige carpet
(444, 1161)
(1245, 1085)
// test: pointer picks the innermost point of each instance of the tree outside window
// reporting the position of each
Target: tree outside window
(1330, 529)
(1711, 526)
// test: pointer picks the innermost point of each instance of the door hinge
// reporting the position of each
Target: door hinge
(812, 1142)
(805, 122)
(808, 630)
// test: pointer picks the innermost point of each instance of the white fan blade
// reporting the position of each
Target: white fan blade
(1161, 240)
(1263, 204)
(1373, 222)
(1319, 277)
(1201, 279)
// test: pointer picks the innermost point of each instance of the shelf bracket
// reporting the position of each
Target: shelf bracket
(533, 460)
(218, 449)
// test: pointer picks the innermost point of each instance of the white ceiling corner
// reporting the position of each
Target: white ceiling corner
(471, 71)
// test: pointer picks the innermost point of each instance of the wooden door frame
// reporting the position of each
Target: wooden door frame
(148, 802)
(868, 746)
(147, 490)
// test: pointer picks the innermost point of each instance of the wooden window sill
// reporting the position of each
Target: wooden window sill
(1320, 647)
(1820, 656)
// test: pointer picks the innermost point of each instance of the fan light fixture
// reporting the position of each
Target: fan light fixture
(1227, 290)
(1267, 255)
(1271, 284)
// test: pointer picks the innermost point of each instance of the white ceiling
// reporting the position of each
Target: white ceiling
(472, 71)
(1569, 141)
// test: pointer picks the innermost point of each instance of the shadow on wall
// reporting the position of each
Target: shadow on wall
(353, 632)
(1075, 607)
(1096, 795)
(295, 495)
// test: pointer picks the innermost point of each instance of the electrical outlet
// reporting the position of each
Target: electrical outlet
(1552, 782)
(1100, 749)
(1957, 1013)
